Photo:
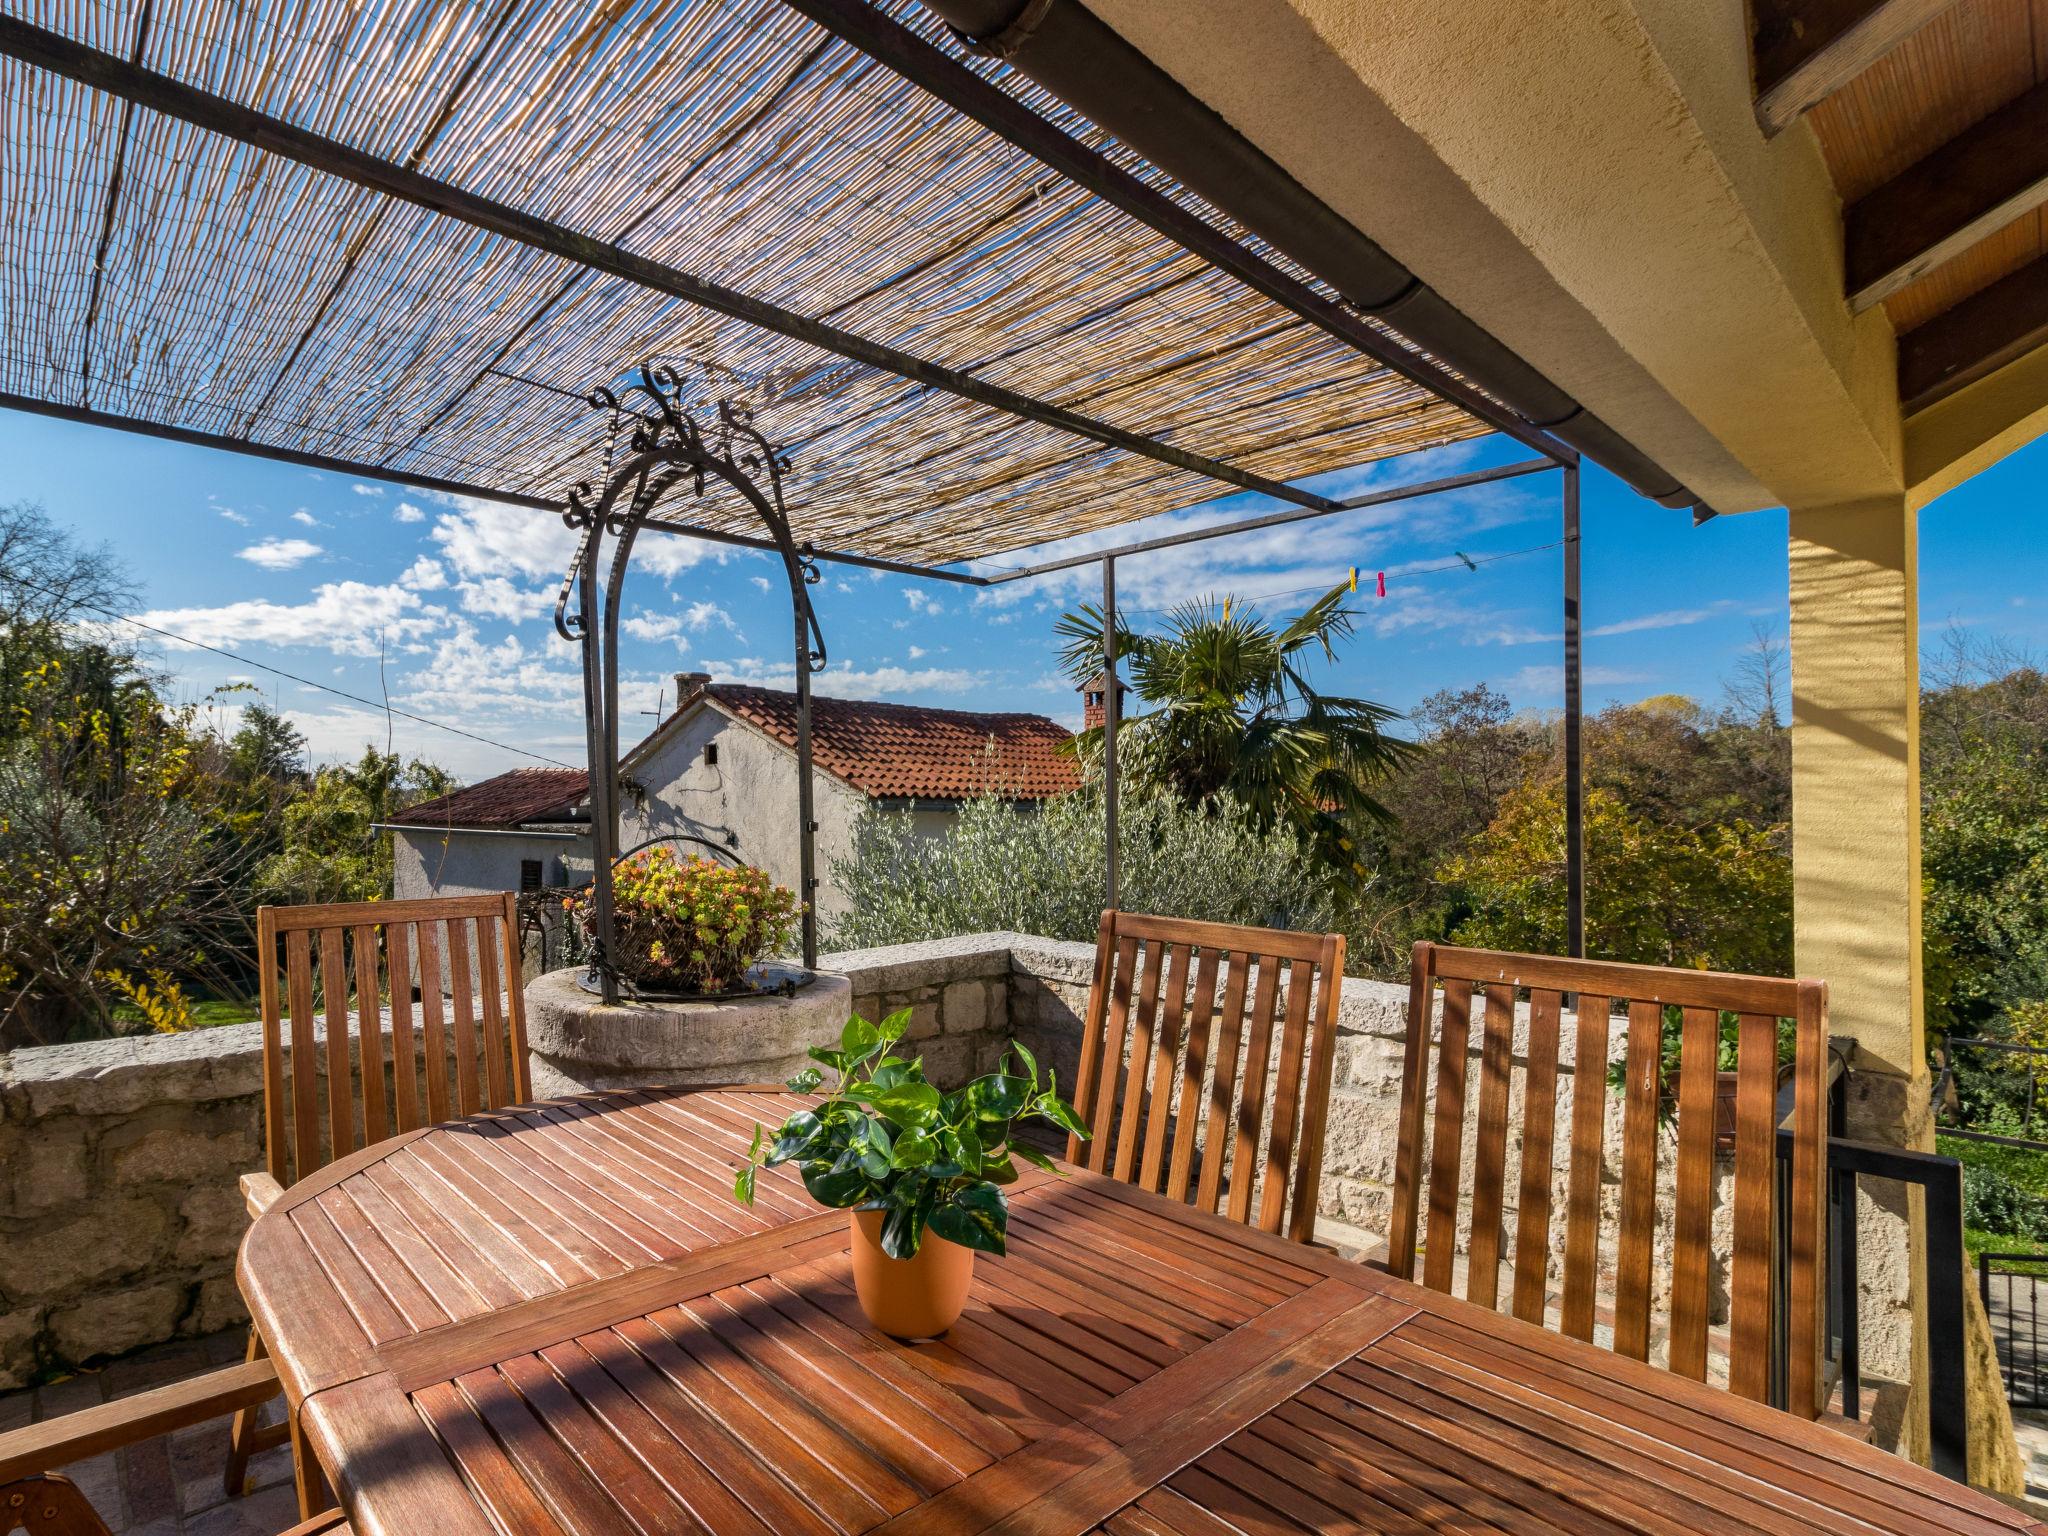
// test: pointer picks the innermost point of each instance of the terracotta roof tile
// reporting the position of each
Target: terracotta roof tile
(524, 794)
(908, 751)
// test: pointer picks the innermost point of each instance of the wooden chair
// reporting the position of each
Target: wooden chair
(1159, 1084)
(38, 1500)
(307, 1125)
(1479, 988)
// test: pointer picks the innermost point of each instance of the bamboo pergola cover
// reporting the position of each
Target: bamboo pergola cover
(246, 295)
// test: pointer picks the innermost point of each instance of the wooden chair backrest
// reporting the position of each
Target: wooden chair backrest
(1480, 986)
(1183, 1039)
(411, 938)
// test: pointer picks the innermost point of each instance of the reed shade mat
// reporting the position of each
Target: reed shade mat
(553, 1320)
(159, 271)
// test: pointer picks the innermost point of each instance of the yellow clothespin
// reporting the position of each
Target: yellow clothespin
(1354, 578)
(1226, 610)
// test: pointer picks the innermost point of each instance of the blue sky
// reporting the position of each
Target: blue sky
(313, 572)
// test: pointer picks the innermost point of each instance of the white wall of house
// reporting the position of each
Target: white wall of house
(431, 861)
(746, 801)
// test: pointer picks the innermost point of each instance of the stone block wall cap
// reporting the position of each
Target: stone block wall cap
(902, 967)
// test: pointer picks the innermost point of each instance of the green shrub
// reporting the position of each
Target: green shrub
(1994, 1203)
(1039, 869)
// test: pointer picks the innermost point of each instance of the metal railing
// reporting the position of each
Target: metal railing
(1940, 1180)
(2018, 1328)
(1946, 1080)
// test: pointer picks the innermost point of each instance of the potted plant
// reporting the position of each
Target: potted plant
(691, 925)
(921, 1172)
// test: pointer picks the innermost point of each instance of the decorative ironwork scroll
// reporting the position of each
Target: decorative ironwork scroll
(670, 450)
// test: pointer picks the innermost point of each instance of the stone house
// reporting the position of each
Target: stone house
(721, 770)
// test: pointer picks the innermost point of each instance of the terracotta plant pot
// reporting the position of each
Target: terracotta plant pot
(916, 1298)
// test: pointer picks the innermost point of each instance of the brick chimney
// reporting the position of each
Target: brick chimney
(1095, 700)
(689, 685)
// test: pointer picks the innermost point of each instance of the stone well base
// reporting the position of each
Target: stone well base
(577, 1044)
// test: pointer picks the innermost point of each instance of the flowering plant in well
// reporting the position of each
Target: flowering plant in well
(691, 924)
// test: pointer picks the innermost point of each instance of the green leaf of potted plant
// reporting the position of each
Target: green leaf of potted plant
(921, 1172)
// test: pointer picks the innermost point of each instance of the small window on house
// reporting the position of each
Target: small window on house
(710, 754)
(529, 874)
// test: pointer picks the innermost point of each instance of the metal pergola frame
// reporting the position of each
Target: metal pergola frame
(974, 97)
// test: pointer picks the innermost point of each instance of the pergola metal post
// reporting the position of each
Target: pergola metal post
(1574, 704)
(806, 801)
(1112, 716)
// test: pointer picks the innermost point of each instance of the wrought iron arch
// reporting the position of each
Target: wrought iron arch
(669, 447)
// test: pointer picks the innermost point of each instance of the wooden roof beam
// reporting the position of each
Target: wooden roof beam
(1974, 185)
(1991, 328)
(1806, 50)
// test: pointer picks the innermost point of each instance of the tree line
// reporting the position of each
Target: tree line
(137, 837)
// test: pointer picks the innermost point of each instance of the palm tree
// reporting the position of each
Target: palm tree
(1229, 712)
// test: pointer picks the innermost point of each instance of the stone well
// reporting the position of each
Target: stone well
(577, 1044)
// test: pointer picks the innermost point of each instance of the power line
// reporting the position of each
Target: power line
(303, 682)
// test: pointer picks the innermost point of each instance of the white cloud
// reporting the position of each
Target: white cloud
(406, 512)
(487, 538)
(654, 627)
(1671, 618)
(464, 674)
(1548, 682)
(279, 554)
(234, 517)
(494, 597)
(668, 555)
(346, 617)
(701, 616)
(424, 575)
(367, 490)
(922, 601)
(917, 652)
(759, 581)
(305, 517)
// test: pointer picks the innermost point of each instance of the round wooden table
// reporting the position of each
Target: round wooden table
(554, 1321)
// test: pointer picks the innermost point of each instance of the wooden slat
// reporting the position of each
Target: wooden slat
(1251, 1101)
(419, 910)
(1993, 172)
(1447, 1149)
(276, 1111)
(334, 985)
(432, 1035)
(1109, 1059)
(298, 967)
(1223, 1085)
(370, 1035)
(1315, 1117)
(520, 1084)
(1490, 1150)
(1145, 1021)
(497, 1081)
(1539, 1150)
(463, 1013)
(1749, 1281)
(70, 1437)
(1644, 983)
(1692, 1216)
(1808, 1260)
(405, 1092)
(1093, 1023)
(1638, 1181)
(1414, 1110)
(1286, 943)
(1806, 50)
(1165, 1056)
(1194, 1068)
(1273, 1186)
(1588, 1156)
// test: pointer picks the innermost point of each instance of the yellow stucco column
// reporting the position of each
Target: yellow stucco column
(1856, 878)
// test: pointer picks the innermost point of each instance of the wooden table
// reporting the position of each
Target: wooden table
(556, 1320)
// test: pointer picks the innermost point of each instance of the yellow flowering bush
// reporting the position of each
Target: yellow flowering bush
(691, 924)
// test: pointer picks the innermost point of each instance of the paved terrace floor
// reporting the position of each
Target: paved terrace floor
(169, 1486)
